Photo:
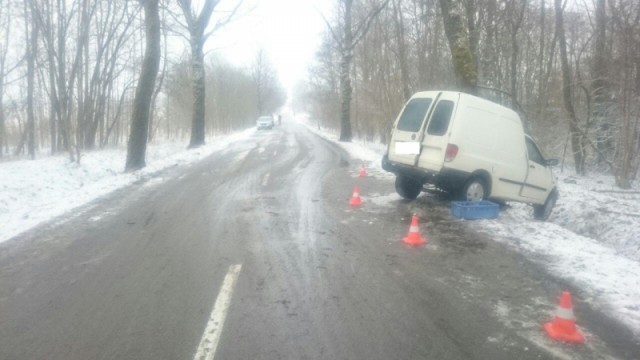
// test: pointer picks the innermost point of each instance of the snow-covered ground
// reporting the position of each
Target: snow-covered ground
(592, 239)
(34, 191)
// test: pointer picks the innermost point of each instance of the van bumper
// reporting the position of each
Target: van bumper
(406, 170)
(446, 179)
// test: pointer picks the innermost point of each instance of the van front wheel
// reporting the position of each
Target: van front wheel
(474, 190)
(543, 212)
(408, 188)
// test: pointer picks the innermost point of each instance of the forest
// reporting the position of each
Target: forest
(570, 68)
(69, 72)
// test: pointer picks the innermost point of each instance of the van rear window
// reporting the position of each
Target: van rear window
(440, 119)
(413, 115)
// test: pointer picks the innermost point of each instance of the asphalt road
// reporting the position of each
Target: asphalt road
(254, 253)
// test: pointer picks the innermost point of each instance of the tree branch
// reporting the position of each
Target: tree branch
(335, 36)
(222, 23)
(363, 27)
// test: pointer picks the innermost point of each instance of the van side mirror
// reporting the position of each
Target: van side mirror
(552, 162)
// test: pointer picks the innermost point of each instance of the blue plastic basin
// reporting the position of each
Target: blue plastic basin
(472, 210)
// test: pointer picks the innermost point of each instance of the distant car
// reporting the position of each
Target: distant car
(265, 122)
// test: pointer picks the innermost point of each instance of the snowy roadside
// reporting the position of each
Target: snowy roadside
(368, 152)
(591, 240)
(35, 191)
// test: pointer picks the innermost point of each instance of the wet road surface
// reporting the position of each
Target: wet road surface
(253, 253)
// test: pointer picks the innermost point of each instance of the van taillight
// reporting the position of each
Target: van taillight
(450, 154)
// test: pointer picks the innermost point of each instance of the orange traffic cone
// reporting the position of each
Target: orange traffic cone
(414, 237)
(363, 172)
(355, 199)
(563, 326)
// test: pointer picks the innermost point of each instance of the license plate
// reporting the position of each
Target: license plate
(407, 147)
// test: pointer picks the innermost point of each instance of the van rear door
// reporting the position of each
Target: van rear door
(405, 141)
(436, 137)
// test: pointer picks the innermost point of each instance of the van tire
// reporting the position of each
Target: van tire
(475, 189)
(407, 187)
(543, 212)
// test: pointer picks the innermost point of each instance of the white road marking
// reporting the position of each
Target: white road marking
(265, 180)
(211, 335)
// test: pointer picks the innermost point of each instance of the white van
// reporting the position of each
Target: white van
(470, 147)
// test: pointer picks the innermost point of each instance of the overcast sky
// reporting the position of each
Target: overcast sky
(287, 29)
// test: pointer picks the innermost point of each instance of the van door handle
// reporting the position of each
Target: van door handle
(532, 166)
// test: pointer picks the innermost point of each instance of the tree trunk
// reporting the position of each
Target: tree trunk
(197, 25)
(540, 110)
(474, 36)
(345, 76)
(345, 95)
(31, 58)
(64, 118)
(515, 52)
(2, 127)
(137, 146)
(402, 48)
(576, 147)
(459, 44)
(599, 86)
(198, 78)
(152, 127)
(3, 58)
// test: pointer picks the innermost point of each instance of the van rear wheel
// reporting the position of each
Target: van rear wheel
(474, 189)
(407, 187)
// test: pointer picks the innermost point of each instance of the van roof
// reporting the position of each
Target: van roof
(433, 93)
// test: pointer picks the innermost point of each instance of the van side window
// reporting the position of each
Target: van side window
(534, 153)
(413, 115)
(440, 119)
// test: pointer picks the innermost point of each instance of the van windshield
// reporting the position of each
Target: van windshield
(413, 114)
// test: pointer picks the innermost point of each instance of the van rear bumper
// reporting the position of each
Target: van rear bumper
(446, 179)
(410, 171)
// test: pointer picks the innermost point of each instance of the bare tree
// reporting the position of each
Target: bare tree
(402, 47)
(5, 33)
(626, 25)
(137, 147)
(575, 133)
(600, 86)
(197, 24)
(347, 39)
(516, 24)
(113, 23)
(269, 92)
(55, 21)
(30, 55)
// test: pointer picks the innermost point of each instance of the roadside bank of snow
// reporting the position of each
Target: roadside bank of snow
(611, 281)
(34, 191)
(595, 208)
(591, 240)
(368, 152)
